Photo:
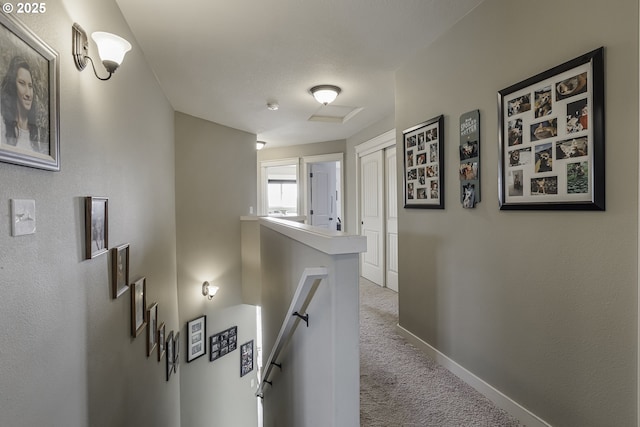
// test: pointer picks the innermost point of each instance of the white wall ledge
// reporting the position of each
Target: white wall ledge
(327, 241)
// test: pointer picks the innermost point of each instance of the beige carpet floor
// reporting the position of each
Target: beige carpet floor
(400, 386)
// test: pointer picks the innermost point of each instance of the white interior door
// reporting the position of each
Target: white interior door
(372, 215)
(322, 195)
(391, 198)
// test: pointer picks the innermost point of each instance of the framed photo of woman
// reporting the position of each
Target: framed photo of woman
(29, 98)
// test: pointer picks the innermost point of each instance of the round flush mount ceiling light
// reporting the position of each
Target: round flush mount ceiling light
(260, 145)
(325, 94)
(272, 106)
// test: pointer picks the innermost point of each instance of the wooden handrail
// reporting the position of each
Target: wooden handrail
(310, 276)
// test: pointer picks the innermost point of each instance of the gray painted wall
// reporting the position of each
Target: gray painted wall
(542, 305)
(68, 358)
(215, 186)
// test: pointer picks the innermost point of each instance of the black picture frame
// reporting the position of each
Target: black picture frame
(223, 343)
(552, 139)
(423, 152)
(196, 338)
(246, 358)
(21, 49)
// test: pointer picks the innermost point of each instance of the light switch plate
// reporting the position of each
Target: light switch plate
(23, 217)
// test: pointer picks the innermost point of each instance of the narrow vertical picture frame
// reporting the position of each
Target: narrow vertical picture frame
(196, 338)
(246, 358)
(176, 352)
(170, 359)
(162, 341)
(119, 270)
(96, 226)
(423, 150)
(152, 328)
(138, 304)
(552, 139)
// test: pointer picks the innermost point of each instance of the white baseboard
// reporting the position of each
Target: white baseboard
(501, 400)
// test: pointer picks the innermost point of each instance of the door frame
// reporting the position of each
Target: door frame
(378, 143)
(305, 182)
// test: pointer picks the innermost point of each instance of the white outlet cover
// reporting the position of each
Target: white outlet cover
(23, 217)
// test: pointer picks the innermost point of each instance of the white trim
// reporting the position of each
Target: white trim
(327, 241)
(503, 401)
(378, 143)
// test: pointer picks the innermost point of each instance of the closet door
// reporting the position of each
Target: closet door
(372, 215)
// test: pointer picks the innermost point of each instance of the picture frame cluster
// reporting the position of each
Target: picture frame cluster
(144, 317)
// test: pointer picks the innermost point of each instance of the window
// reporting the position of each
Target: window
(280, 186)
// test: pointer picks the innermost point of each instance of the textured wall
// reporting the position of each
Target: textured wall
(542, 305)
(68, 358)
(215, 186)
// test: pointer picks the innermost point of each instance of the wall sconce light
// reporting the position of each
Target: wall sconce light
(209, 290)
(111, 49)
(325, 94)
(260, 145)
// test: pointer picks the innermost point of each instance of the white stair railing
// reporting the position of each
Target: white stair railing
(310, 277)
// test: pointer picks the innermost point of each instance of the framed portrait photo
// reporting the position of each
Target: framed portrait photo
(551, 138)
(96, 226)
(138, 304)
(119, 270)
(196, 338)
(29, 94)
(152, 328)
(424, 165)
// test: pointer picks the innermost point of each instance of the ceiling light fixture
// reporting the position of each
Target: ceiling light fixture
(260, 145)
(111, 49)
(325, 94)
(273, 106)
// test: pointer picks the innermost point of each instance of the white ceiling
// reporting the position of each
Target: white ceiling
(224, 60)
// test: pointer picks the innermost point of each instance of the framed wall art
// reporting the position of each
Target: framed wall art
(138, 304)
(152, 328)
(246, 358)
(119, 270)
(29, 109)
(169, 346)
(223, 343)
(176, 352)
(551, 138)
(424, 164)
(162, 342)
(196, 338)
(469, 170)
(96, 225)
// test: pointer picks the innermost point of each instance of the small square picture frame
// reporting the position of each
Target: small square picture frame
(119, 270)
(96, 226)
